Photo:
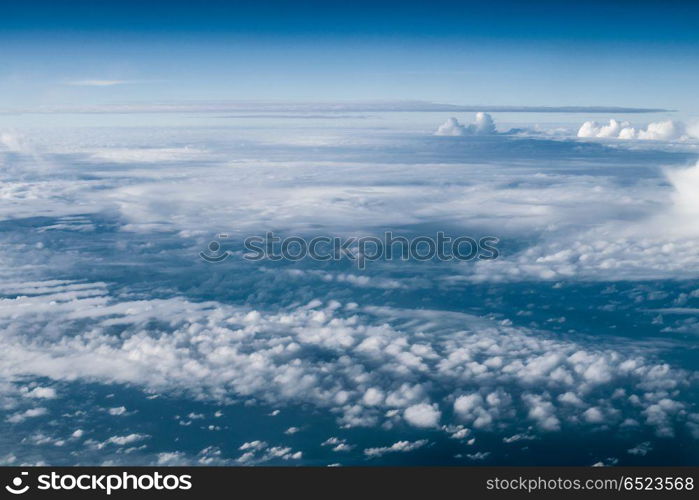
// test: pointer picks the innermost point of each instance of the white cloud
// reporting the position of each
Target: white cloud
(593, 415)
(451, 127)
(484, 125)
(479, 455)
(147, 155)
(260, 452)
(253, 445)
(422, 415)
(42, 393)
(117, 411)
(337, 444)
(641, 449)
(668, 130)
(13, 141)
(361, 351)
(397, 447)
(171, 458)
(96, 83)
(124, 440)
(20, 417)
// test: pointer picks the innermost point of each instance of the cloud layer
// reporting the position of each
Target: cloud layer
(668, 130)
(581, 328)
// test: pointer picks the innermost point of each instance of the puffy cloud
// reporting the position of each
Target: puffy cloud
(397, 447)
(123, 440)
(451, 127)
(117, 411)
(685, 197)
(41, 393)
(422, 415)
(337, 444)
(480, 411)
(355, 362)
(253, 445)
(484, 125)
(660, 244)
(257, 452)
(20, 417)
(593, 415)
(542, 411)
(373, 396)
(641, 449)
(668, 130)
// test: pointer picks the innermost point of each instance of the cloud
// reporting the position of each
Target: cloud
(147, 155)
(658, 244)
(124, 440)
(117, 411)
(330, 356)
(484, 125)
(30, 413)
(42, 393)
(227, 106)
(97, 83)
(641, 449)
(257, 452)
(451, 127)
(668, 130)
(337, 444)
(15, 142)
(397, 447)
(481, 412)
(236, 334)
(422, 415)
(685, 198)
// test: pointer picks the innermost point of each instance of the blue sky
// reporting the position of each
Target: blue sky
(515, 53)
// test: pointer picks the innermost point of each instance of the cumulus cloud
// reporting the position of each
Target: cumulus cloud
(685, 197)
(257, 452)
(641, 449)
(484, 125)
(117, 411)
(659, 244)
(20, 417)
(422, 415)
(42, 393)
(668, 130)
(397, 447)
(355, 362)
(124, 440)
(337, 444)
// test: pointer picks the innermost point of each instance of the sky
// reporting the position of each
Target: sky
(640, 54)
